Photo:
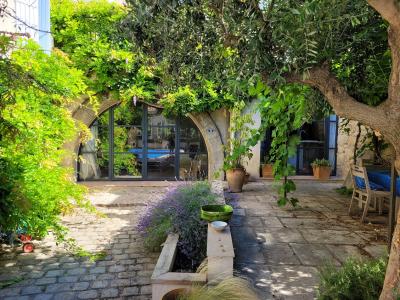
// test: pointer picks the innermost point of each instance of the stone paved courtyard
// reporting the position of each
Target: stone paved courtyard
(281, 249)
(125, 271)
(278, 249)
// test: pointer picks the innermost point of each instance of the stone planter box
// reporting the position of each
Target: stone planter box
(220, 256)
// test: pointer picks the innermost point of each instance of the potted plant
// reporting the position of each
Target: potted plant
(321, 169)
(267, 168)
(237, 149)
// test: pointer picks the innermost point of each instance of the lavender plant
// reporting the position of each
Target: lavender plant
(179, 212)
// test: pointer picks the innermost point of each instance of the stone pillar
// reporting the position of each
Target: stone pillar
(253, 165)
(213, 132)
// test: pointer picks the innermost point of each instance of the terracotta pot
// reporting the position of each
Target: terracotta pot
(235, 178)
(267, 170)
(246, 178)
(322, 172)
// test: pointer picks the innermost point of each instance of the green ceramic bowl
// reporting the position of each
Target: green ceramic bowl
(212, 213)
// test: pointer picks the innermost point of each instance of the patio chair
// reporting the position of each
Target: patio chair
(366, 192)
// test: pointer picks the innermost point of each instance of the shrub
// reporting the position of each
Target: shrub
(179, 212)
(321, 163)
(229, 289)
(35, 90)
(355, 280)
(344, 191)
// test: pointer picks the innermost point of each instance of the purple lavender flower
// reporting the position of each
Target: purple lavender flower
(179, 211)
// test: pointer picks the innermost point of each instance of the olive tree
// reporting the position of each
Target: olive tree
(348, 50)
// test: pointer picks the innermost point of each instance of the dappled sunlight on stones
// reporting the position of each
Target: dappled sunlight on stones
(280, 249)
(294, 282)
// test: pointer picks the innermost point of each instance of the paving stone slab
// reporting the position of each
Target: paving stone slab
(343, 252)
(341, 237)
(291, 282)
(280, 254)
(297, 241)
(314, 254)
(273, 236)
(376, 251)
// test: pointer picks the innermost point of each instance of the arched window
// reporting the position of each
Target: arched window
(136, 141)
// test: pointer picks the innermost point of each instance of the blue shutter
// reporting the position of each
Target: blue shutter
(332, 129)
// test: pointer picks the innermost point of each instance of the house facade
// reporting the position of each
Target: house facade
(135, 141)
(28, 18)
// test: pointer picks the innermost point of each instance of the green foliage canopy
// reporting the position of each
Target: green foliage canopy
(230, 42)
(88, 32)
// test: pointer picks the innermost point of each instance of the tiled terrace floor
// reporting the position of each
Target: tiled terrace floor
(281, 249)
(50, 273)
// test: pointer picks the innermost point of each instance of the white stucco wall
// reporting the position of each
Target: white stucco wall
(253, 165)
(30, 17)
(7, 23)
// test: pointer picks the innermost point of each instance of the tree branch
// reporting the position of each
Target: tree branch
(388, 9)
(342, 103)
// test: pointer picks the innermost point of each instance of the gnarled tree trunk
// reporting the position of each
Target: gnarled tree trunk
(384, 118)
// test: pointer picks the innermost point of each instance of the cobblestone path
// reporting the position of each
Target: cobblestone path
(124, 272)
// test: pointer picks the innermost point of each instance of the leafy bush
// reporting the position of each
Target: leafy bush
(179, 212)
(355, 280)
(321, 163)
(181, 102)
(89, 32)
(344, 191)
(238, 148)
(35, 89)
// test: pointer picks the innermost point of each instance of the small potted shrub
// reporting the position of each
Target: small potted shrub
(237, 148)
(267, 168)
(321, 169)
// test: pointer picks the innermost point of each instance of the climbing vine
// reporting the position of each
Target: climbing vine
(283, 110)
(88, 32)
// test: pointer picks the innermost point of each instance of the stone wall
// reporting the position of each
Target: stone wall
(345, 147)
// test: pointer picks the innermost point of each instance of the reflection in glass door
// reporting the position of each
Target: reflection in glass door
(127, 136)
(136, 141)
(161, 145)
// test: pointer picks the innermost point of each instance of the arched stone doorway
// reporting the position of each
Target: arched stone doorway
(211, 134)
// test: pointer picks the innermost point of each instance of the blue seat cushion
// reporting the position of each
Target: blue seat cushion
(374, 186)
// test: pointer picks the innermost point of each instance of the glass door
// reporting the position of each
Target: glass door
(136, 141)
(127, 137)
(161, 145)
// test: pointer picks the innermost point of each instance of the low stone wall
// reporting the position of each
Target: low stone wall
(163, 280)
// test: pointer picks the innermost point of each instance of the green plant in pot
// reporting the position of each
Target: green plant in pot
(267, 168)
(237, 149)
(321, 169)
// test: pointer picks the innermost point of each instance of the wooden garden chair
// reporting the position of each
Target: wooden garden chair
(365, 192)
